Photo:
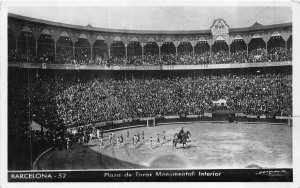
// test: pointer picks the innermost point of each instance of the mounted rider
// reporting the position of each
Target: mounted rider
(180, 133)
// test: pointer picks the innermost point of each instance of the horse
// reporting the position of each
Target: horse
(181, 139)
(186, 134)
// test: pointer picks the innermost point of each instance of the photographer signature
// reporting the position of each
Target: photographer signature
(272, 172)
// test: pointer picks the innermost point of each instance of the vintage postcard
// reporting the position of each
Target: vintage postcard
(149, 93)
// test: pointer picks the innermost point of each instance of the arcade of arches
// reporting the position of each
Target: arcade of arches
(25, 48)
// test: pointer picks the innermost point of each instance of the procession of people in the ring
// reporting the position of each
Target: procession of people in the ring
(137, 139)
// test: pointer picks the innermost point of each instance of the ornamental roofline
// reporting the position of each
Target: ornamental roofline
(145, 32)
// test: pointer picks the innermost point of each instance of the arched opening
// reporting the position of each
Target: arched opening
(134, 48)
(257, 50)
(100, 52)
(168, 48)
(134, 52)
(151, 48)
(117, 49)
(276, 49)
(185, 53)
(201, 47)
(82, 51)
(168, 53)
(185, 48)
(238, 50)
(202, 53)
(46, 50)
(151, 52)
(220, 51)
(64, 50)
(26, 47)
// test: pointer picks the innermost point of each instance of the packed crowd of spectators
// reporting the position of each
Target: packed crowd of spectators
(16, 55)
(258, 55)
(75, 102)
(47, 56)
(83, 57)
(277, 54)
(62, 100)
(220, 57)
(239, 56)
(64, 55)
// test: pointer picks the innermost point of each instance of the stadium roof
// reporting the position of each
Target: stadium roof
(254, 27)
(157, 17)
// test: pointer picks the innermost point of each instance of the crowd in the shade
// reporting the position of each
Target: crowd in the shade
(76, 102)
(61, 101)
(65, 55)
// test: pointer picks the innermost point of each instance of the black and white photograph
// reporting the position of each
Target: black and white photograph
(149, 93)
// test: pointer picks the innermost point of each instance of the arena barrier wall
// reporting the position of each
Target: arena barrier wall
(34, 167)
(142, 122)
(146, 67)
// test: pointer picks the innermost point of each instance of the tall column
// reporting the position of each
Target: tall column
(36, 49)
(159, 52)
(229, 50)
(73, 50)
(176, 44)
(91, 52)
(159, 44)
(193, 51)
(108, 46)
(210, 50)
(126, 50)
(55, 51)
(16, 43)
(143, 45)
(193, 43)
(247, 50)
(286, 49)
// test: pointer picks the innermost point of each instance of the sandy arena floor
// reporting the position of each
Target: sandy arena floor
(212, 145)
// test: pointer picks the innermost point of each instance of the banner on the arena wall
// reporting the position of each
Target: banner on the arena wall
(60, 66)
(171, 117)
(262, 64)
(30, 65)
(225, 66)
(192, 116)
(143, 67)
(220, 102)
(185, 67)
(91, 67)
(239, 114)
(207, 114)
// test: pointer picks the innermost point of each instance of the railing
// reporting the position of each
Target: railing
(146, 67)
(138, 122)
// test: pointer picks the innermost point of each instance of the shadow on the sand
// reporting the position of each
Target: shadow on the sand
(82, 157)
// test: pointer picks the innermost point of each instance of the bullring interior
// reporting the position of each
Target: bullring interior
(69, 84)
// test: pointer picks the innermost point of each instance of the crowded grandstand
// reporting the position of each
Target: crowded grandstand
(63, 76)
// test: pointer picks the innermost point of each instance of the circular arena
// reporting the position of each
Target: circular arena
(83, 97)
(212, 145)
